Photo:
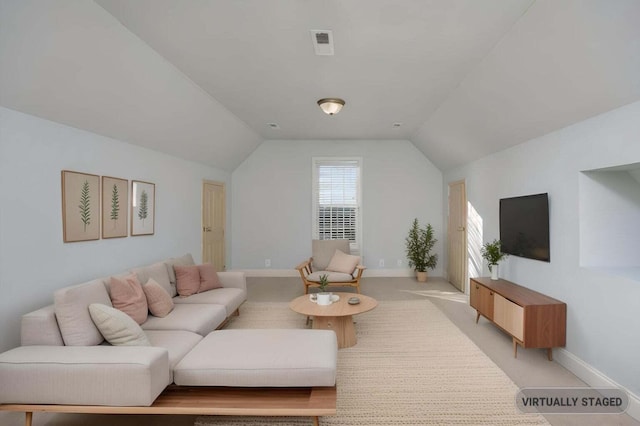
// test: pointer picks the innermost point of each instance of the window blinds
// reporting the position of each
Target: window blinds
(337, 200)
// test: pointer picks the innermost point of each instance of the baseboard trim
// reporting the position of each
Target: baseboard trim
(593, 377)
(269, 272)
(294, 273)
(389, 273)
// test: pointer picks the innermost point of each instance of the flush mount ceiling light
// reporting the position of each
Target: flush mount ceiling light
(331, 106)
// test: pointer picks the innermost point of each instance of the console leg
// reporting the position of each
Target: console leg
(550, 354)
(515, 348)
(28, 418)
(477, 316)
(316, 421)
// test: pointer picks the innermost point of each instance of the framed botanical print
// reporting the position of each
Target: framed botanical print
(115, 196)
(143, 208)
(80, 206)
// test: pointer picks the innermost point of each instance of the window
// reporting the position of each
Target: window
(336, 200)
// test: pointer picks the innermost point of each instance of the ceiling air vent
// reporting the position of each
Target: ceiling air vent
(322, 42)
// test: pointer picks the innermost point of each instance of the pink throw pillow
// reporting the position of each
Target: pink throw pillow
(159, 301)
(187, 279)
(127, 295)
(208, 278)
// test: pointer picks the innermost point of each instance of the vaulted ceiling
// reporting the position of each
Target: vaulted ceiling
(202, 79)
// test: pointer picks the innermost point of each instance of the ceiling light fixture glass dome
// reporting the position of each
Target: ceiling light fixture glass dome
(331, 106)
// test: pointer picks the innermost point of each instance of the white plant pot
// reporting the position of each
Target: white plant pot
(324, 299)
(494, 272)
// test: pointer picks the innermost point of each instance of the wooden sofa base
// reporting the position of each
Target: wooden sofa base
(214, 401)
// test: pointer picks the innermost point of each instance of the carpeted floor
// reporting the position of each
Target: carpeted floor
(411, 366)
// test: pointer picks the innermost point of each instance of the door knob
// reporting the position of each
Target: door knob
(206, 229)
(460, 228)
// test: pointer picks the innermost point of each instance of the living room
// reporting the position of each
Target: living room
(268, 181)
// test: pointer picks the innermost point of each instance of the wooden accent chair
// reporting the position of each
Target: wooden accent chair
(337, 266)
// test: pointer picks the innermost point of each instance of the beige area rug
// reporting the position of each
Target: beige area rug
(411, 366)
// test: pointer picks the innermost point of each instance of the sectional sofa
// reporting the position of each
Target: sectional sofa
(65, 361)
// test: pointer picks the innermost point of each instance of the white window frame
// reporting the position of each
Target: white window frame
(355, 246)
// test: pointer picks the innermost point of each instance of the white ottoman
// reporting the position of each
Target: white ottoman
(261, 358)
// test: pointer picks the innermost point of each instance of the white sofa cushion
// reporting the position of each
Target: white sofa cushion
(159, 272)
(178, 343)
(258, 358)
(40, 328)
(72, 312)
(200, 319)
(118, 328)
(230, 298)
(83, 375)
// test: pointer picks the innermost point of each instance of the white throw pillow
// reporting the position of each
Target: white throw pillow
(342, 262)
(118, 328)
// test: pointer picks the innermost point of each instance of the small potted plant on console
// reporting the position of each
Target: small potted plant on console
(493, 254)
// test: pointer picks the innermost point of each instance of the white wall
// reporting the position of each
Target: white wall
(272, 201)
(33, 259)
(602, 325)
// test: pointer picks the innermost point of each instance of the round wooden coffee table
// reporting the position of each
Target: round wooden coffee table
(337, 317)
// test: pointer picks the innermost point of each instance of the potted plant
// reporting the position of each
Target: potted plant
(492, 253)
(420, 242)
(323, 298)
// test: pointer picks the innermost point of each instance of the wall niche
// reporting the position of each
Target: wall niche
(610, 220)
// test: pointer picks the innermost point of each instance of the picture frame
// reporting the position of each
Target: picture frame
(80, 206)
(115, 214)
(143, 206)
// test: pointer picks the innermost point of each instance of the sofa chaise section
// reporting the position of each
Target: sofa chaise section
(83, 375)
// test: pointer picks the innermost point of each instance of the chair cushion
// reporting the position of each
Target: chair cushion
(323, 250)
(118, 328)
(334, 277)
(342, 262)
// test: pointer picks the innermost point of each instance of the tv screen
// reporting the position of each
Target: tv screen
(524, 226)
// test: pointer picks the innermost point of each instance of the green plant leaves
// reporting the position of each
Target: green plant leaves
(419, 243)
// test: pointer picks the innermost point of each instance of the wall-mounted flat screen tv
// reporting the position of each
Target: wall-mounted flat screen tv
(524, 226)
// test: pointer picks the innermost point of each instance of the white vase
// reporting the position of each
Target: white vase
(324, 299)
(494, 272)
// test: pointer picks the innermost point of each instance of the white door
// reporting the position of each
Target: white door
(213, 218)
(457, 235)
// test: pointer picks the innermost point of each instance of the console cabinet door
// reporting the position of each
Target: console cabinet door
(509, 316)
(481, 298)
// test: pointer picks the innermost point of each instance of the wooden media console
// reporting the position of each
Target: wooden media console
(533, 319)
